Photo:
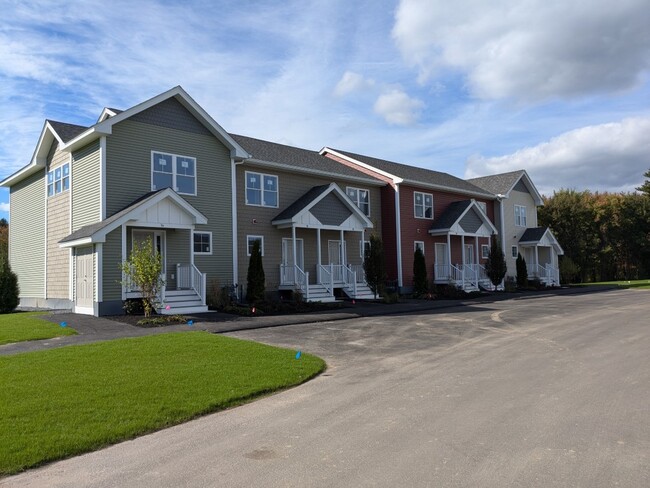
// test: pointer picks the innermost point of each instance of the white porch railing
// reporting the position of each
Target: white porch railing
(360, 272)
(545, 273)
(293, 275)
(188, 276)
(325, 277)
(441, 272)
(351, 280)
(132, 291)
(479, 270)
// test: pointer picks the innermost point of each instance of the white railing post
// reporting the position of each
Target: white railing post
(204, 288)
(306, 285)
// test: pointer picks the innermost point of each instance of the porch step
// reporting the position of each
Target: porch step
(363, 292)
(182, 302)
(318, 293)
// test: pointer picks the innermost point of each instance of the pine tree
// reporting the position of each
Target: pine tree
(420, 284)
(645, 188)
(255, 284)
(373, 265)
(9, 289)
(496, 266)
(522, 272)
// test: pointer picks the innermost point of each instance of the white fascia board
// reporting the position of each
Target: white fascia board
(448, 189)
(79, 242)
(39, 158)
(296, 169)
(532, 189)
(106, 113)
(439, 232)
(396, 179)
(85, 138)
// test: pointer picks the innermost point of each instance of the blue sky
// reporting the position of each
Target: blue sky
(469, 87)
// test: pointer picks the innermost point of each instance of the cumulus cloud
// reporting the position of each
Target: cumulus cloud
(397, 108)
(531, 50)
(606, 157)
(4, 207)
(352, 82)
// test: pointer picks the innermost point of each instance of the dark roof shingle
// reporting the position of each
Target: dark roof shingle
(67, 132)
(533, 234)
(498, 184)
(451, 215)
(297, 206)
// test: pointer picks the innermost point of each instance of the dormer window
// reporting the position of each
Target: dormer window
(173, 171)
(58, 180)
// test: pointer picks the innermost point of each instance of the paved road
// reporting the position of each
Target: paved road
(542, 392)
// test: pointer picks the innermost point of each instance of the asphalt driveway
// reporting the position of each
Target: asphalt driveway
(547, 391)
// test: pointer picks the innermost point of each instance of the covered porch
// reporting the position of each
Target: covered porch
(540, 249)
(325, 247)
(464, 230)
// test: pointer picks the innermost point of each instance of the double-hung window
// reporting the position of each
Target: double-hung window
(418, 245)
(520, 216)
(261, 189)
(485, 251)
(250, 241)
(58, 180)
(423, 203)
(202, 242)
(361, 199)
(173, 171)
(514, 252)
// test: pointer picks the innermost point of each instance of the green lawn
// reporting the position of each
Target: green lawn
(639, 284)
(27, 326)
(66, 401)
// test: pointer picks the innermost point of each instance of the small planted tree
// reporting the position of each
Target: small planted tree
(373, 265)
(420, 284)
(522, 272)
(143, 271)
(496, 266)
(255, 280)
(9, 290)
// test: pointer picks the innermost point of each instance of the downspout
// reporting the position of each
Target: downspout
(398, 232)
(233, 197)
(500, 199)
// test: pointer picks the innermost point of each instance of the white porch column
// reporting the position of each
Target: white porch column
(448, 256)
(536, 257)
(318, 252)
(343, 250)
(462, 253)
(476, 258)
(293, 245)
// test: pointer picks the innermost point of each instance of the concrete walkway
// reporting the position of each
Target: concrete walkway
(94, 329)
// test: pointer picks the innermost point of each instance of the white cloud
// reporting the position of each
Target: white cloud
(528, 50)
(352, 82)
(607, 157)
(397, 108)
(4, 207)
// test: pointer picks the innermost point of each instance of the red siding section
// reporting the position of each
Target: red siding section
(389, 231)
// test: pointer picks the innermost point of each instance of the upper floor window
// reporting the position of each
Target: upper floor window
(423, 205)
(261, 189)
(361, 199)
(173, 171)
(58, 180)
(520, 216)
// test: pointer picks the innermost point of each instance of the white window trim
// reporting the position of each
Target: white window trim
(362, 247)
(423, 206)
(209, 253)
(357, 202)
(521, 217)
(485, 251)
(173, 173)
(516, 252)
(415, 246)
(54, 180)
(260, 238)
(262, 175)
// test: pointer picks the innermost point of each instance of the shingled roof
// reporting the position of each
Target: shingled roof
(66, 132)
(533, 234)
(297, 157)
(413, 174)
(499, 184)
(296, 207)
(451, 215)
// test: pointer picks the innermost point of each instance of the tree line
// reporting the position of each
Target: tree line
(605, 236)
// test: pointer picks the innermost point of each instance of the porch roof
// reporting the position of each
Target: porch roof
(325, 207)
(540, 236)
(464, 217)
(161, 208)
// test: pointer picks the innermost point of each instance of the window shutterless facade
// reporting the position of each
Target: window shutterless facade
(173, 171)
(361, 199)
(520, 216)
(58, 180)
(202, 242)
(423, 204)
(261, 189)
(250, 240)
(485, 251)
(418, 245)
(514, 252)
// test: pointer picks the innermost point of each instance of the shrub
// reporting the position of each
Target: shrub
(496, 266)
(255, 279)
(132, 306)
(522, 271)
(420, 284)
(569, 270)
(9, 290)
(373, 265)
(218, 297)
(390, 298)
(162, 320)
(143, 270)
(510, 284)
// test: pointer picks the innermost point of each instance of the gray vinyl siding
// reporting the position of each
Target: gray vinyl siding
(27, 234)
(255, 220)
(112, 257)
(58, 227)
(86, 190)
(177, 251)
(128, 177)
(471, 222)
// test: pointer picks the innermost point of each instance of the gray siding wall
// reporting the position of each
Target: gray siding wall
(178, 251)
(172, 115)
(128, 177)
(27, 234)
(86, 192)
(471, 222)
(112, 257)
(58, 227)
(252, 220)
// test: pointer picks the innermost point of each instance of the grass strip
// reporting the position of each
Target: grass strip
(28, 326)
(62, 402)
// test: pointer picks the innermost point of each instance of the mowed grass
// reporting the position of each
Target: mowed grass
(27, 326)
(66, 401)
(639, 284)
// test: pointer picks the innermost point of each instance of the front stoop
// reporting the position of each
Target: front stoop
(182, 302)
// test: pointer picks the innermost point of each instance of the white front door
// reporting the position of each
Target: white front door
(441, 268)
(84, 280)
(469, 254)
(335, 250)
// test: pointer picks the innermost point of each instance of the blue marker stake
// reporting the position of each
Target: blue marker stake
(63, 324)
(190, 323)
(298, 354)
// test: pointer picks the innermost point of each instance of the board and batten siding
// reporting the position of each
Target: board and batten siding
(27, 234)
(128, 177)
(58, 227)
(86, 191)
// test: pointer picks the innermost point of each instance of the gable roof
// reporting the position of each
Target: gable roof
(298, 159)
(534, 235)
(451, 215)
(66, 132)
(450, 220)
(503, 184)
(412, 175)
(303, 202)
(97, 232)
